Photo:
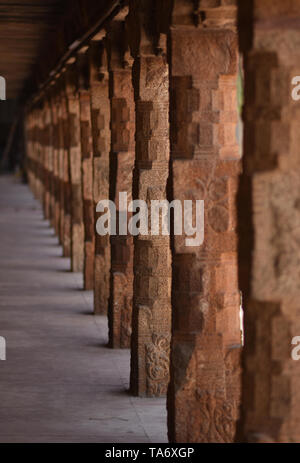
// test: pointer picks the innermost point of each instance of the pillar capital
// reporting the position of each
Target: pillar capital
(82, 63)
(147, 26)
(118, 46)
(216, 14)
(98, 61)
(204, 166)
(269, 188)
(71, 79)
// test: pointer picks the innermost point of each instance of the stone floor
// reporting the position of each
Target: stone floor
(59, 383)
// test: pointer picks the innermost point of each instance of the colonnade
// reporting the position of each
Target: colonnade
(149, 106)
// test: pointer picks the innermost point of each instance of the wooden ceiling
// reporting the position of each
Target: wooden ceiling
(25, 28)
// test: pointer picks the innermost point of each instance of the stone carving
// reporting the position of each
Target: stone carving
(215, 419)
(157, 364)
(184, 132)
(204, 55)
(215, 194)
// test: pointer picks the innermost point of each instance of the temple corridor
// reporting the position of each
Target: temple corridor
(150, 221)
(60, 382)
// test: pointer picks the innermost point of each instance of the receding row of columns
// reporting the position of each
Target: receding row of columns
(149, 107)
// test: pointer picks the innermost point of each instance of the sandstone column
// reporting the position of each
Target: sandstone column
(47, 130)
(61, 159)
(39, 152)
(36, 151)
(56, 157)
(151, 323)
(43, 173)
(77, 236)
(204, 389)
(31, 149)
(87, 168)
(66, 179)
(51, 156)
(122, 164)
(100, 109)
(268, 222)
(29, 160)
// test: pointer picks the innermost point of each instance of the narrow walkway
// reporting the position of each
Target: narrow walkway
(60, 383)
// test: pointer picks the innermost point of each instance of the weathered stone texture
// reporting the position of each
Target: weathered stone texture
(151, 322)
(66, 180)
(122, 164)
(269, 225)
(77, 238)
(203, 395)
(61, 162)
(56, 158)
(48, 158)
(100, 106)
(87, 170)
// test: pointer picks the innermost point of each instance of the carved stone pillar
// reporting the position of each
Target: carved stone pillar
(100, 109)
(122, 164)
(204, 389)
(151, 322)
(36, 152)
(29, 143)
(87, 168)
(268, 222)
(48, 167)
(43, 171)
(39, 152)
(65, 170)
(56, 157)
(50, 150)
(61, 160)
(32, 150)
(77, 236)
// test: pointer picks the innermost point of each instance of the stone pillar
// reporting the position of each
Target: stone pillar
(151, 322)
(50, 143)
(203, 395)
(66, 179)
(268, 222)
(61, 160)
(35, 152)
(87, 168)
(43, 174)
(29, 160)
(77, 236)
(31, 149)
(122, 164)
(38, 153)
(47, 134)
(56, 157)
(100, 109)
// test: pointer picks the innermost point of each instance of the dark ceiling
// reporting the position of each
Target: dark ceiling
(25, 26)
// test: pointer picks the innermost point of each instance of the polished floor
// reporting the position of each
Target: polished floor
(59, 382)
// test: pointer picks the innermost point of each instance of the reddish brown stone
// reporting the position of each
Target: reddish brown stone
(122, 164)
(100, 105)
(151, 322)
(203, 396)
(56, 158)
(87, 170)
(48, 141)
(77, 238)
(67, 229)
(268, 218)
(61, 162)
